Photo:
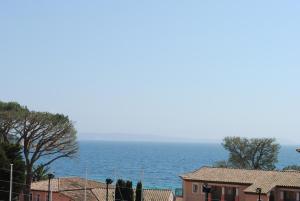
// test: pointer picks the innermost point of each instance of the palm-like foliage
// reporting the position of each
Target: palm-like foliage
(40, 172)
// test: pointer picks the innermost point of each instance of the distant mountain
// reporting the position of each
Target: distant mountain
(139, 137)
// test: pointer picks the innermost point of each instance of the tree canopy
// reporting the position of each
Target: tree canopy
(250, 153)
(43, 135)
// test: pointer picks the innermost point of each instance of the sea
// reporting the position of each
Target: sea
(157, 165)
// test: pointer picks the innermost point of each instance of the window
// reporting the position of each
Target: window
(30, 197)
(37, 198)
(195, 188)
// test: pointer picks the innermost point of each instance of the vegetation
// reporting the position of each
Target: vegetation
(43, 135)
(123, 191)
(138, 191)
(129, 191)
(11, 154)
(253, 153)
(292, 167)
(40, 172)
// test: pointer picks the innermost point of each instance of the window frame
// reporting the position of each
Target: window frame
(197, 188)
(38, 197)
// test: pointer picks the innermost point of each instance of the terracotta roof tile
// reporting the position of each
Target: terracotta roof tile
(78, 195)
(148, 194)
(66, 183)
(266, 180)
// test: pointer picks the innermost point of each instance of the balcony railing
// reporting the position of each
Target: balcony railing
(178, 192)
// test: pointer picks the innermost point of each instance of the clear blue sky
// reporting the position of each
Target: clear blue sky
(177, 69)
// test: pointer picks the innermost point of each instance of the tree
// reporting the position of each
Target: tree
(11, 154)
(42, 134)
(129, 191)
(138, 191)
(123, 191)
(292, 167)
(119, 190)
(40, 172)
(8, 118)
(253, 153)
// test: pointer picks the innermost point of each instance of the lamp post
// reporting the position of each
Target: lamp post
(206, 189)
(50, 176)
(258, 190)
(108, 181)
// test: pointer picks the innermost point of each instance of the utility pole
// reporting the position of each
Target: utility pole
(85, 184)
(11, 181)
(50, 176)
(142, 180)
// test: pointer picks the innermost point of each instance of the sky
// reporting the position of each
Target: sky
(156, 70)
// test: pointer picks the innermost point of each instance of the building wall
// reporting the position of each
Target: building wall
(43, 196)
(254, 197)
(189, 195)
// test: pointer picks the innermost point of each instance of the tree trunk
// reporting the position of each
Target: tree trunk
(27, 188)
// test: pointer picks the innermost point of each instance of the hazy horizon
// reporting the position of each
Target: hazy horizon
(161, 70)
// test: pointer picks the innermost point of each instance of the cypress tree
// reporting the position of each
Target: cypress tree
(129, 191)
(123, 191)
(138, 191)
(118, 190)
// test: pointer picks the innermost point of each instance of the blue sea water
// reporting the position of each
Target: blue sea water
(158, 165)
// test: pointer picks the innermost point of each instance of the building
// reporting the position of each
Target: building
(148, 194)
(73, 189)
(228, 184)
(65, 189)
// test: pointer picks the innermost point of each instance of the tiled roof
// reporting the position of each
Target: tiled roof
(73, 188)
(266, 180)
(66, 183)
(157, 195)
(148, 194)
(100, 193)
(78, 195)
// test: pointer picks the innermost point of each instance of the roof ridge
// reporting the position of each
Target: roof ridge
(158, 189)
(246, 169)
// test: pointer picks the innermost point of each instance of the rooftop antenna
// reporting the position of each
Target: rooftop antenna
(142, 181)
(85, 184)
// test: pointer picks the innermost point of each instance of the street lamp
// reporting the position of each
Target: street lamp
(206, 189)
(50, 176)
(108, 181)
(258, 190)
